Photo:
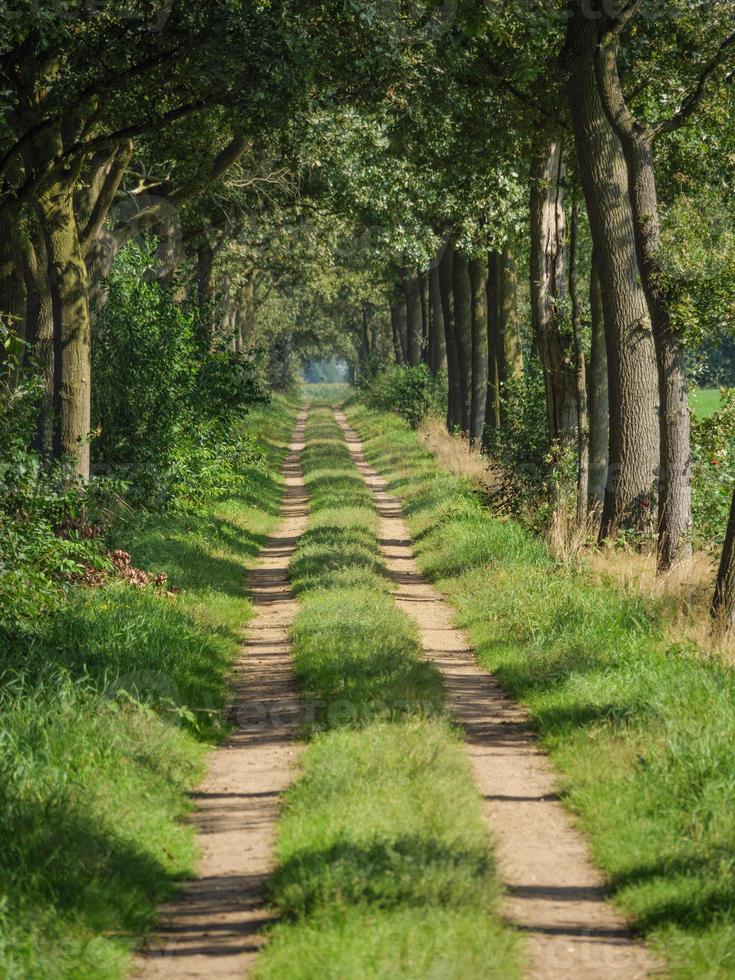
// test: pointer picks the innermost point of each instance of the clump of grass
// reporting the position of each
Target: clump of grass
(640, 726)
(106, 710)
(384, 863)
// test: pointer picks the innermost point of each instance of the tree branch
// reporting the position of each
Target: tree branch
(106, 196)
(695, 96)
(617, 23)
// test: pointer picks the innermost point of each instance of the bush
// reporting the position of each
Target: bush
(713, 472)
(166, 404)
(411, 392)
(49, 519)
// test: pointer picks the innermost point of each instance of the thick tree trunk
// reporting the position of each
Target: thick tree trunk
(437, 344)
(723, 604)
(70, 304)
(633, 386)
(478, 398)
(463, 335)
(425, 316)
(397, 317)
(552, 335)
(495, 348)
(581, 376)
(598, 397)
(675, 474)
(413, 319)
(510, 357)
(446, 280)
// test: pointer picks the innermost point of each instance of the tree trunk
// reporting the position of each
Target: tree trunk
(633, 387)
(463, 335)
(598, 396)
(70, 304)
(425, 316)
(553, 338)
(413, 319)
(495, 350)
(581, 376)
(40, 334)
(437, 343)
(446, 280)
(510, 359)
(397, 316)
(723, 604)
(478, 396)
(675, 474)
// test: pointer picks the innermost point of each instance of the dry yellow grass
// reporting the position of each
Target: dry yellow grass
(684, 593)
(454, 453)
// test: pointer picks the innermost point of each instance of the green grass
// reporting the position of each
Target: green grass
(384, 862)
(641, 731)
(704, 402)
(106, 711)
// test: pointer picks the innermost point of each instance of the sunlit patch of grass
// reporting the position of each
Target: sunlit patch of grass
(384, 862)
(106, 711)
(641, 727)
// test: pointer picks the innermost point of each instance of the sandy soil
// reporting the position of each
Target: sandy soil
(212, 928)
(554, 893)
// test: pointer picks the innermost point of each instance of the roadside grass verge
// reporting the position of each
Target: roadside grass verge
(642, 730)
(384, 862)
(106, 711)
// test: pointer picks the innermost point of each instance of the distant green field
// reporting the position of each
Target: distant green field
(704, 401)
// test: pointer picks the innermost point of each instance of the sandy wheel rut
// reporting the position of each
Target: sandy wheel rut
(553, 891)
(213, 928)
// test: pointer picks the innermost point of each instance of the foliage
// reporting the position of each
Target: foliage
(49, 520)
(713, 471)
(411, 392)
(520, 447)
(166, 403)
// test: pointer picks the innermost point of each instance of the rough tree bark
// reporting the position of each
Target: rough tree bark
(463, 335)
(598, 397)
(446, 280)
(633, 384)
(552, 335)
(479, 352)
(412, 289)
(495, 350)
(397, 317)
(510, 357)
(581, 374)
(72, 330)
(425, 316)
(675, 474)
(437, 343)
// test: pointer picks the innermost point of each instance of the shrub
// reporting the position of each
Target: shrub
(166, 404)
(411, 392)
(713, 471)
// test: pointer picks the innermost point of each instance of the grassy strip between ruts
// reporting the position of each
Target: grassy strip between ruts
(106, 709)
(642, 732)
(384, 863)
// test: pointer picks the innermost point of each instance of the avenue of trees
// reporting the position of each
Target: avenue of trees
(520, 197)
